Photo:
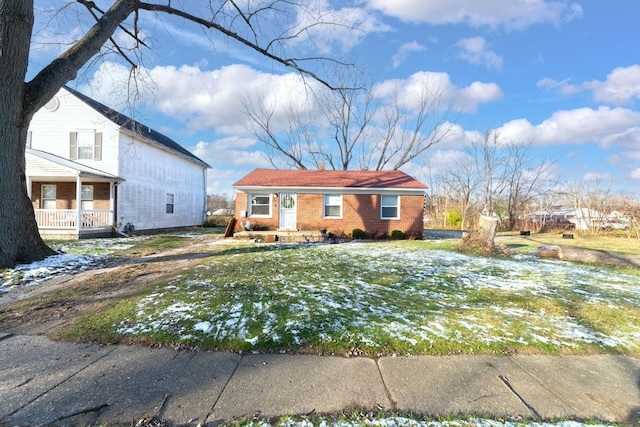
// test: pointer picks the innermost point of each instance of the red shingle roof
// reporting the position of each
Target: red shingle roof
(329, 179)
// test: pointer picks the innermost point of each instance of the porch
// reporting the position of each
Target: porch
(70, 200)
(73, 223)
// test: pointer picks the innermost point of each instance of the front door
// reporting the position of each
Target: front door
(287, 211)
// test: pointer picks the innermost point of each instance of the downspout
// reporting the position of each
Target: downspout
(204, 207)
(114, 209)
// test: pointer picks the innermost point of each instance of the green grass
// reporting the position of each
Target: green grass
(367, 418)
(379, 298)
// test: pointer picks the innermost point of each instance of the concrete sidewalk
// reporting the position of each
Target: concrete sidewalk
(47, 382)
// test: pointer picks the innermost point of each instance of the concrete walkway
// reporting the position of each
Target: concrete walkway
(47, 382)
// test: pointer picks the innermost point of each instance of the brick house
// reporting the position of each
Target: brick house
(337, 201)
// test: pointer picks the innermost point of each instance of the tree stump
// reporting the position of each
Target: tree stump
(507, 250)
(484, 237)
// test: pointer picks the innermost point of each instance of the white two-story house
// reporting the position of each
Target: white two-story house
(91, 170)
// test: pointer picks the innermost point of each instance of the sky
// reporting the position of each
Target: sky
(561, 77)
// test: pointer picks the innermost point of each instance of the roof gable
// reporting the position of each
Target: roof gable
(389, 179)
(134, 126)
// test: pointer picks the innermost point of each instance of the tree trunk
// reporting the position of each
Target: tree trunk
(550, 251)
(20, 240)
(483, 238)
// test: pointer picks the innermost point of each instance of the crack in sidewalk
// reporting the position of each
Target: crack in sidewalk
(213, 407)
(394, 404)
(549, 390)
(533, 410)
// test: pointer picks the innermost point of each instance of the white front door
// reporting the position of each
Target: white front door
(287, 211)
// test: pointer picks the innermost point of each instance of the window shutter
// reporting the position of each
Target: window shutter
(73, 146)
(97, 146)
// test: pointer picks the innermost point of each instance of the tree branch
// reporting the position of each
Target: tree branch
(287, 62)
(64, 68)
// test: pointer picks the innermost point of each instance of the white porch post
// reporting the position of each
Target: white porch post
(78, 203)
(112, 202)
(28, 186)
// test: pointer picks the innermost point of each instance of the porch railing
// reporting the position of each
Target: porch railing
(67, 218)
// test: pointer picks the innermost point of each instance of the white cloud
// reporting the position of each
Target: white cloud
(516, 14)
(597, 177)
(328, 28)
(627, 138)
(204, 99)
(437, 85)
(635, 174)
(405, 50)
(563, 86)
(475, 51)
(622, 86)
(440, 161)
(573, 127)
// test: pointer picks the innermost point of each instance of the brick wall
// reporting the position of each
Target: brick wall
(358, 211)
(66, 195)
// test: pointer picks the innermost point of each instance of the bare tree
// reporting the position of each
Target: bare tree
(489, 161)
(219, 201)
(630, 207)
(355, 129)
(461, 184)
(593, 201)
(241, 22)
(409, 132)
(288, 135)
(348, 114)
(522, 178)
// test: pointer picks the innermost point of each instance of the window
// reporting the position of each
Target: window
(86, 204)
(260, 205)
(333, 205)
(85, 145)
(390, 207)
(48, 197)
(169, 209)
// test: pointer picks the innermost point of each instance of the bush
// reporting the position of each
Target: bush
(454, 217)
(217, 220)
(397, 235)
(358, 233)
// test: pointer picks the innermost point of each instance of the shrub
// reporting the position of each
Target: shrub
(454, 217)
(217, 220)
(397, 235)
(357, 233)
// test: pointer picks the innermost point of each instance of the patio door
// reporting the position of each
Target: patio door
(287, 220)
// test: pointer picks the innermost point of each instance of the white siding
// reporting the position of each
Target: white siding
(50, 131)
(150, 174)
(149, 171)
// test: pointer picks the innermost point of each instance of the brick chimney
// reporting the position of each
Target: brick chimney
(321, 166)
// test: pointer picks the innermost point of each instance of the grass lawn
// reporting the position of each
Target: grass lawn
(379, 299)
(614, 242)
